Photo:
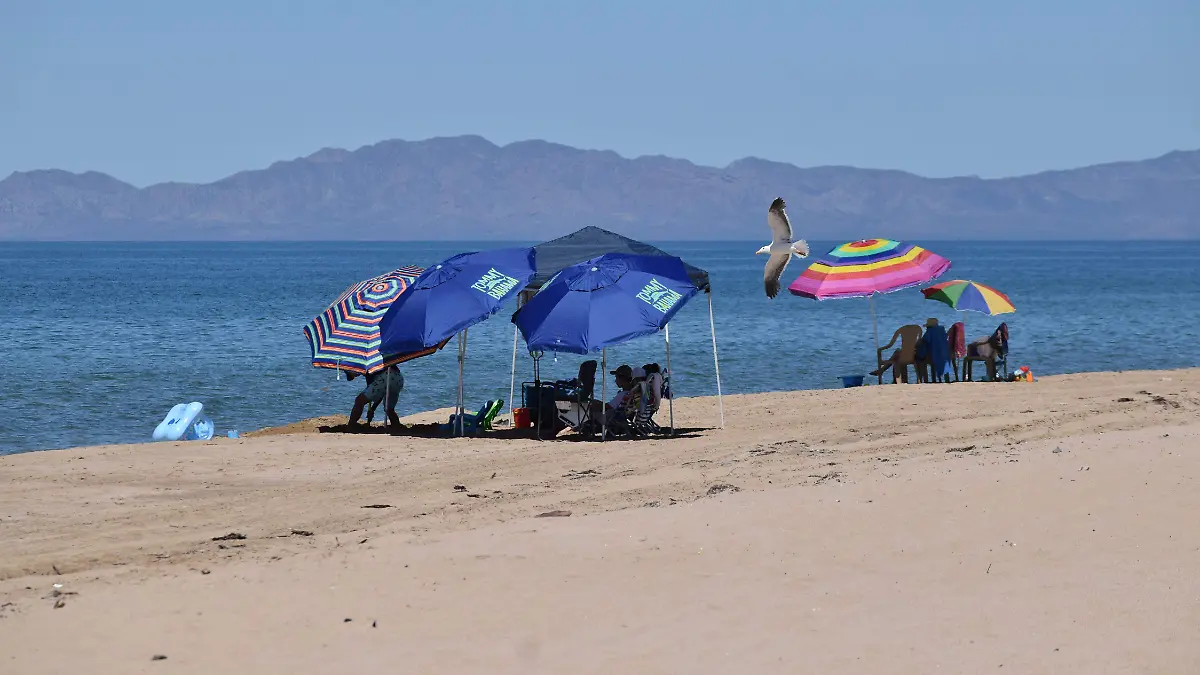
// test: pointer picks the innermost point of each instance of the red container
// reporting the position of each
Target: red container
(521, 419)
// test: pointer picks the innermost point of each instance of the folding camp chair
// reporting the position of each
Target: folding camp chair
(621, 423)
(574, 398)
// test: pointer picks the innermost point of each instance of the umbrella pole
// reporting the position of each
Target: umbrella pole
(670, 401)
(875, 326)
(603, 393)
(712, 327)
(462, 358)
(512, 383)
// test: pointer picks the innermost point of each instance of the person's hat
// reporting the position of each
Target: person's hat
(622, 371)
(931, 322)
(639, 373)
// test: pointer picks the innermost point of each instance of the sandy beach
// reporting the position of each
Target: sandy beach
(1028, 528)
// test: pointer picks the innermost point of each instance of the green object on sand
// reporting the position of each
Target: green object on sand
(474, 424)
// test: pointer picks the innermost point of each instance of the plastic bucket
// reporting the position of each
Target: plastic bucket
(852, 380)
(521, 418)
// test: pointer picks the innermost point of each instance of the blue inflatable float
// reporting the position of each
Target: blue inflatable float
(186, 421)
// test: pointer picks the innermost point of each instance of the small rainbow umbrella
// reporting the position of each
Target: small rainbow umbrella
(966, 296)
(866, 267)
(970, 296)
(346, 335)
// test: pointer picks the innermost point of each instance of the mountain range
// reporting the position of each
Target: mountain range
(468, 188)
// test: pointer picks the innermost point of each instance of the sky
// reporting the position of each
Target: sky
(158, 91)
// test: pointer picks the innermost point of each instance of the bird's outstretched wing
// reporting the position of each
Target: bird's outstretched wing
(773, 271)
(781, 229)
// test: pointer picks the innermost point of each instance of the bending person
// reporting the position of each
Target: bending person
(388, 383)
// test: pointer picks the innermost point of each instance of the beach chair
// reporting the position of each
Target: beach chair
(474, 424)
(956, 339)
(656, 389)
(663, 382)
(574, 399)
(993, 351)
(909, 336)
(620, 423)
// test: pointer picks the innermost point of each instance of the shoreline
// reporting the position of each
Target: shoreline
(972, 524)
(309, 425)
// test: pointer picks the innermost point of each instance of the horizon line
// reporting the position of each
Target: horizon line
(356, 242)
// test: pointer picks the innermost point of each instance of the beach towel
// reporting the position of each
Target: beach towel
(958, 340)
(937, 348)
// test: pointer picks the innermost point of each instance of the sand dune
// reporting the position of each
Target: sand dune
(1042, 527)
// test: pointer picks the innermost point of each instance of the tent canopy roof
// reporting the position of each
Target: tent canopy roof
(555, 255)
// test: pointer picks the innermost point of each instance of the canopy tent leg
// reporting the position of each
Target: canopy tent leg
(537, 385)
(670, 401)
(875, 326)
(603, 394)
(712, 326)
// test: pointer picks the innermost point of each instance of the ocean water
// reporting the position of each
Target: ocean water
(102, 339)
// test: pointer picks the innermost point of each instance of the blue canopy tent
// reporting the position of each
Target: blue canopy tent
(452, 296)
(606, 301)
(590, 242)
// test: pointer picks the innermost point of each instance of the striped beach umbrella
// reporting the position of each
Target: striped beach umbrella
(866, 267)
(863, 268)
(970, 296)
(346, 335)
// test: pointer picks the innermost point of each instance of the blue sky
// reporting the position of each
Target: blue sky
(192, 91)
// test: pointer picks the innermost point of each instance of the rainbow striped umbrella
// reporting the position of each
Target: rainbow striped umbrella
(346, 335)
(863, 268)
(866, 267)
(970, 296)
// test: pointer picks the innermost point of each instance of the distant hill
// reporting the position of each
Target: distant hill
(469, 188)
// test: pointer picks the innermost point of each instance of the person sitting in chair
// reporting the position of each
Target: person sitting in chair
(654, 385)
(625, 378)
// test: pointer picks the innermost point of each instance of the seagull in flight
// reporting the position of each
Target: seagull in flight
(782, 248)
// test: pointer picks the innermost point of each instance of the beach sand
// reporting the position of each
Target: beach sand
(1015, 528)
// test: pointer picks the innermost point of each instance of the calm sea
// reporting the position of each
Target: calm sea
(102, 339)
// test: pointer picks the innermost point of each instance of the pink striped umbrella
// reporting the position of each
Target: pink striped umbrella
(866, 267)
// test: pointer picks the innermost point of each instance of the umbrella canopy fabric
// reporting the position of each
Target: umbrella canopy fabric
(605, 301)
(454, 295)
(346, 335)
(590, 242)
(862, 268)
(970, 296)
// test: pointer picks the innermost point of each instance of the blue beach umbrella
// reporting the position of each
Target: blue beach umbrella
(606, 301)
(603, 302)
(452, 296)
